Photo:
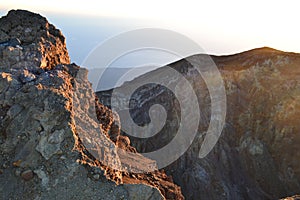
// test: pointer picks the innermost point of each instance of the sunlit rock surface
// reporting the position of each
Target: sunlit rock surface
(44, 153)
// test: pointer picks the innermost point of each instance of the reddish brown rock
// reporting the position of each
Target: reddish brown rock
(17, 163)
(27, 175)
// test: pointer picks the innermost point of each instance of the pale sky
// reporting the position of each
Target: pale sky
(220, 27)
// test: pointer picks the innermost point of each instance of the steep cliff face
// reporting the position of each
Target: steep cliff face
(257, 155)
(45, 124)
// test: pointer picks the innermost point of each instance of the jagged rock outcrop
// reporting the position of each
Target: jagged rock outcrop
(257, 155)
(42, 46)
(42, 153)
(295, 197)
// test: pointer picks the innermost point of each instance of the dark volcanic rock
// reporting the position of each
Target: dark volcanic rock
(257, 156)
(42, 46)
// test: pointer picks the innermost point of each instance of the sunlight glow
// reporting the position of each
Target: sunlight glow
(226, 23)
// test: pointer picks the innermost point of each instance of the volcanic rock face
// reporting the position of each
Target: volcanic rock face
(257, 155)
(43, 153)
(43, 46)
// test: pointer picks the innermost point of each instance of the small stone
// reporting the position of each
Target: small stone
(14, 42)
(47, 149)
(98, 171)
(63, 158)
(17, 163)
(96, 176)
(59, 152)
(14, 111)
(27, 76)
(43, 176)
(56, 137)
(27, 175)
(28, 30)
(18, 172)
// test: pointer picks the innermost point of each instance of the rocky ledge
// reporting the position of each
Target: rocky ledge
(45, 124)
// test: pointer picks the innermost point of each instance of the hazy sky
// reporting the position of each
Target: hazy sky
(220, 27)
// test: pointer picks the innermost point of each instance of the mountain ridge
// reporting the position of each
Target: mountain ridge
(221, 61)
(53, 127)
(258, 145)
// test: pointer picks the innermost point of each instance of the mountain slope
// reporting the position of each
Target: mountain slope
(256, 156)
